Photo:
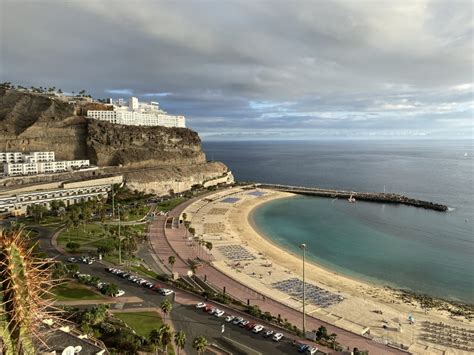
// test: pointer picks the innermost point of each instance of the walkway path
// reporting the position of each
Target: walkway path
(167, 242)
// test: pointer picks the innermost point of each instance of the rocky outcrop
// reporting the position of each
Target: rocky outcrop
(34, 122)
(30, 122)
(142, 146)
(178, 178)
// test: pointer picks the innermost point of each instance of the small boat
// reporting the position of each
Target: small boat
(351, 199)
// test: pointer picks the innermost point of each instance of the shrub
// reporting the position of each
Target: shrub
(73, 246)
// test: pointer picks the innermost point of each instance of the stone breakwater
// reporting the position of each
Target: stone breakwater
(380, 197)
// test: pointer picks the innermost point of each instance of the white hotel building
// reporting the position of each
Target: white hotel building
(19, 164)
(138, 114)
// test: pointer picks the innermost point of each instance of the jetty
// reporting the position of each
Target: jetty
(380, 197)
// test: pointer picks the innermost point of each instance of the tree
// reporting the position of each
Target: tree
(321, 333)
(209, 246)
(129, 244)
(73, 246)
(180, 340)
(332, 340)
(171, 260)
(166, 306)
(166, 336)
(109, 289)
(37, 211)
(200, 344)
(155, 337)
(95, 315)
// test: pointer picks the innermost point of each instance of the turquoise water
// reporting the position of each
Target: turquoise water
(405, 247)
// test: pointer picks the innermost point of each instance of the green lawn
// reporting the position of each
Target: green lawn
(92, 235)
(144, 271)
(141, 322)
(72, 292)
(169, 205)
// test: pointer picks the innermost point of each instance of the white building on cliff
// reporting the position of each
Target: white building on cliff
(138, 114)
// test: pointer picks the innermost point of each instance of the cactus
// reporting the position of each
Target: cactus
(25, 282)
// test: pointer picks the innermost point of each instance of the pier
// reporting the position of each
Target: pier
(380, 197)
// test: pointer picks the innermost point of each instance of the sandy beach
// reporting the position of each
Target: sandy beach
(225, 220)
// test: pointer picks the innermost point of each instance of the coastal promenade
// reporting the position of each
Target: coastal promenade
(174, 241)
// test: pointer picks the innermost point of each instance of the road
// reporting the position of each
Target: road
(184, 314)
(173, 242)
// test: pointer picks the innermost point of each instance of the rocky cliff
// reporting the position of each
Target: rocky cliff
(33, 122)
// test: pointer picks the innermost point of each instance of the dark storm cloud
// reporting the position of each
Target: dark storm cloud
(260, 68)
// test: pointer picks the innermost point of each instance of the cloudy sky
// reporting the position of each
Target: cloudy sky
(258, 69)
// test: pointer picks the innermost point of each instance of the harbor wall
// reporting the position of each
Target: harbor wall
(380, 197)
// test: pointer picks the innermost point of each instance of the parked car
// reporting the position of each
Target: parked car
(212, 310)
(244, 323)
(166, 291)
(237, 320)
(219, 313)
(302, 348)
(250, 325)
(119, 293)
(277, 337)
(229, 318)
(207, 308)
(311, 350)
(72, 260)
(268, 333)
(201, 305)
(257, 329)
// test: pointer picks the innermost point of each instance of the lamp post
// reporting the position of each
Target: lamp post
(120, 241)
(303, 247)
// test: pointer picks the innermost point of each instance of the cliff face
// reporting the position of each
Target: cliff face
(33, 122)
(30, 122)
(138, 146)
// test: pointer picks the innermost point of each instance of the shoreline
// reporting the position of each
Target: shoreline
(269, 240)
(365, 306)
(395, 288)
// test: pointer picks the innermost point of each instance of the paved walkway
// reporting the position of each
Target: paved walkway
(168, 241)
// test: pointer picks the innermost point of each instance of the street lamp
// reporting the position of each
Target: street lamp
(303, 247)
(119, 240)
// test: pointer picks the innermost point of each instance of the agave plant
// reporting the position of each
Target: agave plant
(25, 282)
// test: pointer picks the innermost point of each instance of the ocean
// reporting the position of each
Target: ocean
(404, 247)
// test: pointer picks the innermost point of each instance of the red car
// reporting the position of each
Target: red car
(250, 325)
(207, 308)
(156, 287)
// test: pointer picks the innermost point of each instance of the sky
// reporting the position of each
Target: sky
(258, 70)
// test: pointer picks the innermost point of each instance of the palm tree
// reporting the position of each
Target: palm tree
(209, 246)
(200, 344)
(166, 307)
(171, 260)
(166, 336)
(180, 340)
(155, 337)
(332, 340)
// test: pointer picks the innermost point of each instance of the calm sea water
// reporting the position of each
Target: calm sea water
(424, 251)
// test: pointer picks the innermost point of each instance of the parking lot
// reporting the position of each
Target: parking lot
(235, 338)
